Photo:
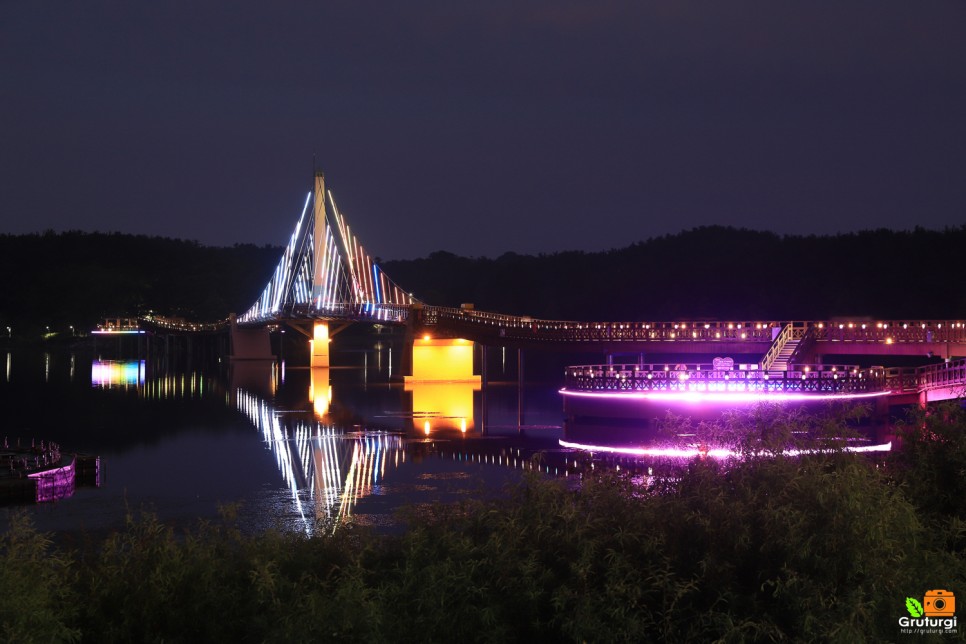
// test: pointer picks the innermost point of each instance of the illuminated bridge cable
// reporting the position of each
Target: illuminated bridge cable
(327, 272)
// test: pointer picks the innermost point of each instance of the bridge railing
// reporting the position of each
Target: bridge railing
(658, 331)
(934, 376)
(396, 313)
(903, 379)
(181, 325)
(949, 374)
(522, 327)
(437, 314)
(891, 331)
(831, 379)
(823, 378)
(525, 327)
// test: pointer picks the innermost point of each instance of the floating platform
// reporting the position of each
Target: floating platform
(42, 474)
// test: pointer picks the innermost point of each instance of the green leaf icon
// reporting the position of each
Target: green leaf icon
(914, 607)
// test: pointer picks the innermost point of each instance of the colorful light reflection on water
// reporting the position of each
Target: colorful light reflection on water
(330, 447)
(115, 373)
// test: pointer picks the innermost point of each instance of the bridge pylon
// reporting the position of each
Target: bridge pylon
(318, 238)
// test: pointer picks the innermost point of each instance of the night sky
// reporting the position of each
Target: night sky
(482, 127)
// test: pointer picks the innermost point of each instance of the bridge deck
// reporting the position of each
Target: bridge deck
(886, 336)
(941, 338)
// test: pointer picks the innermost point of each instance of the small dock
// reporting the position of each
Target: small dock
(41, 472)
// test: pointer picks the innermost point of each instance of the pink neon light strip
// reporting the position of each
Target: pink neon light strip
(719, 396)
(720, 452)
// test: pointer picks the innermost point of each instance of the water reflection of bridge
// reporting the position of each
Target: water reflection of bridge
(326, 471)
(329, 466)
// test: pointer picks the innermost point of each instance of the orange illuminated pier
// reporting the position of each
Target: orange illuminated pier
(443, 405)
(442, 360)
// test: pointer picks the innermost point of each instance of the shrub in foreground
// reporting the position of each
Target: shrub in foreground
(771, 548)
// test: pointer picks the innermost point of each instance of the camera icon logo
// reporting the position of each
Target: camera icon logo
(939, 603)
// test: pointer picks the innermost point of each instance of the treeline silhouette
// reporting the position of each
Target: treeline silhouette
(77, 278)
(712, 272)
(715, 272)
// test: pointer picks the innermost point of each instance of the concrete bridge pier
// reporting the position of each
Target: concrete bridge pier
(249, 343)
(429, 359)
(319, 333)
(880, 413)
(442, 360)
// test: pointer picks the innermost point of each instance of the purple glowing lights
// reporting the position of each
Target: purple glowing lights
(717, 452)
(738, 397)
(54, 484)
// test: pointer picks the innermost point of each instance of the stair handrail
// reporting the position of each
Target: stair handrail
(791, 331)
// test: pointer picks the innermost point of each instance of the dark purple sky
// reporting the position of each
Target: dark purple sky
(482, 127)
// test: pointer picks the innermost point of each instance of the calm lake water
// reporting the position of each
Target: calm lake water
(295, 448)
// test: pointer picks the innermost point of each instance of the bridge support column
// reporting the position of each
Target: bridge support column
(247, 343)
(483, 372)
(319, 346)
(442, 360)
(880, 413)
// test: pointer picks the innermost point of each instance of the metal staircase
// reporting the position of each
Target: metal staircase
(784, 356)
(783, 349)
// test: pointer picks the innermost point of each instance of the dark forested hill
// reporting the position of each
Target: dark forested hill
(79, 278)
(713, 272)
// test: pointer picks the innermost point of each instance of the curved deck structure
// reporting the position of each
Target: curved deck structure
(697, 382)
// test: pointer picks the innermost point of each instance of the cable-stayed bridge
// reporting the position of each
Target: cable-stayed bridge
(325, 276)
